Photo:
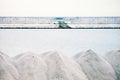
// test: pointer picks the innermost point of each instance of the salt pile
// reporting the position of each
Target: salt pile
(94, 66)
(113, 57)
(31, 67)
(53, 65)
(61, 67)
(7, 69)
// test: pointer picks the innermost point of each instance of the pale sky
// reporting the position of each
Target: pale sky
(68, 41)
(59, 8)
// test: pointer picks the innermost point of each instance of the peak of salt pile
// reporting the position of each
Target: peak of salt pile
(113, 57)
(7, 69)
(31, 67)
(61, 67)
(95, 67)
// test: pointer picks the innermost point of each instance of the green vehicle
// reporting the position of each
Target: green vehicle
(63, 25)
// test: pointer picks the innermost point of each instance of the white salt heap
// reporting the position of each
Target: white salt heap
(113, 57)
(61, 67)
(7, 69)
(31, 67)
(94, 66)
(54, 65)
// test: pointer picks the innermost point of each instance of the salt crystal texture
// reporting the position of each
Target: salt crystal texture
(113, 57)
(94, 66)
(31, 67)
(7, 69)
(61, 67)
(53, 65)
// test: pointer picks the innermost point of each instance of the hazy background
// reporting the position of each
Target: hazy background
(70, 42)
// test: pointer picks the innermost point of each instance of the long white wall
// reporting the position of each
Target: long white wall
(51, 20)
